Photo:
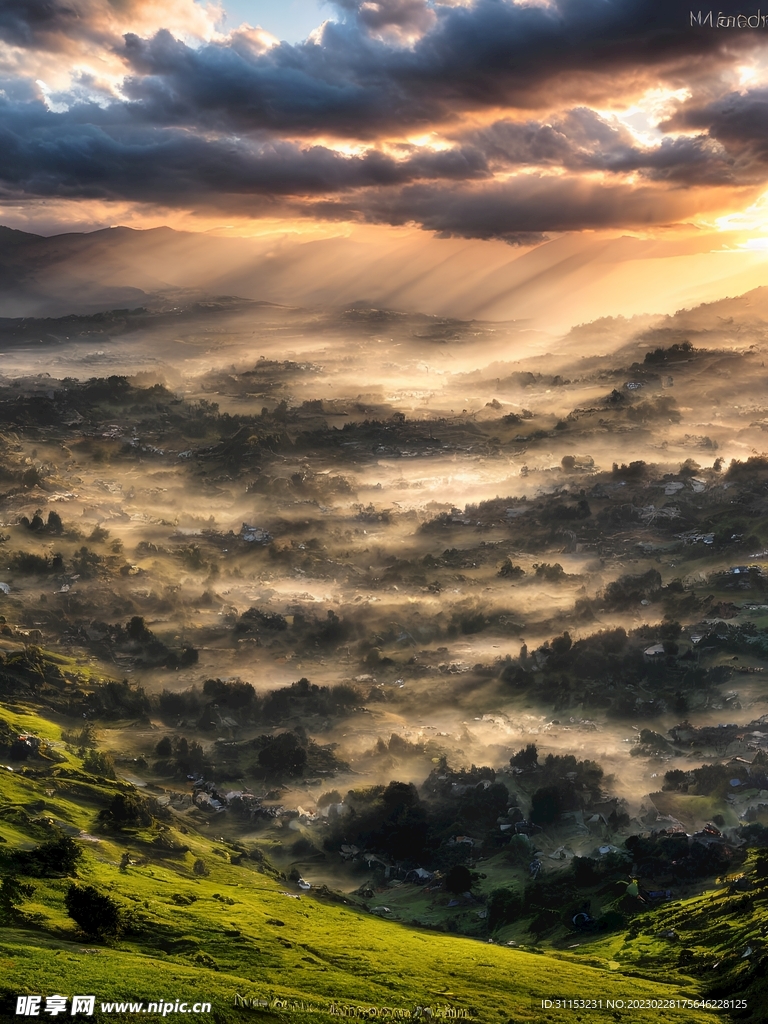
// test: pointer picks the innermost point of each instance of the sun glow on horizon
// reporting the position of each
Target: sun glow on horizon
(753, 220)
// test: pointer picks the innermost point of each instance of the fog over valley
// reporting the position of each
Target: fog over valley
(326, 581)
(383, 511)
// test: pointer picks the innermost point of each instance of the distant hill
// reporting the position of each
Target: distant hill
(568, 280)
(115, 267)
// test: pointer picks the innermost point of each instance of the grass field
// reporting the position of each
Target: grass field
(240, 931)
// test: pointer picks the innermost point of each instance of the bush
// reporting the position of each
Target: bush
(519, 851)
(36, 523)
(118, 700)
(546, 920)
(86, 562)
(199, 867)
(55, 524)
(284, 755)
(611, 921)
(546, 805)
(651, 744)
(235, 694)
(480, 807)
(29, 563)
(458, 879)
(756, 835)
(630, 590)
(675, 779)
(95, 912)
(254, 617)
(12, 892)
(551, 573)
(137, 630)
(585, 871)
(714, 779)
(333, 630)
(584, 775)
(305, 848)
(19, 750)
(510, 571)
(504, 906)
(190, 757)
(53, 858)
(164, 747)
(85, 738)
(99, 764)
(526, 757)
(674, 353)
(126, 810)
(638, 470)
(175, 704)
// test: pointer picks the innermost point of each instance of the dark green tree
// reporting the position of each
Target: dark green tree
(526, 757)
(458, 879)
(98, 763)
(12, 892)
(126, 810)
(55, 857)
(504, 906)
(545, 805)
(96, 913)
(164, 747)
(284, 754)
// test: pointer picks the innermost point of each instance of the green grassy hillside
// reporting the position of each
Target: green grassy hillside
(717, 938)
(239, 930)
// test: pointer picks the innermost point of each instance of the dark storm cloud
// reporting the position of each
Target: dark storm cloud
(78, 31)
(45, 154)
(492, 53)
(738, 121)
(580, 140)
(54, 25)
(72, 154)
(36, 22)
(215, 125)
(520, 210)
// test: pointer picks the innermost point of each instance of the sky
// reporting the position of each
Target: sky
(502, 121)
(290, 21)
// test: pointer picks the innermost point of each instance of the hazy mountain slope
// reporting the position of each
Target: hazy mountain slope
(552, 286)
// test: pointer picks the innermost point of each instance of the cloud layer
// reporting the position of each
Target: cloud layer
(483, 119)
